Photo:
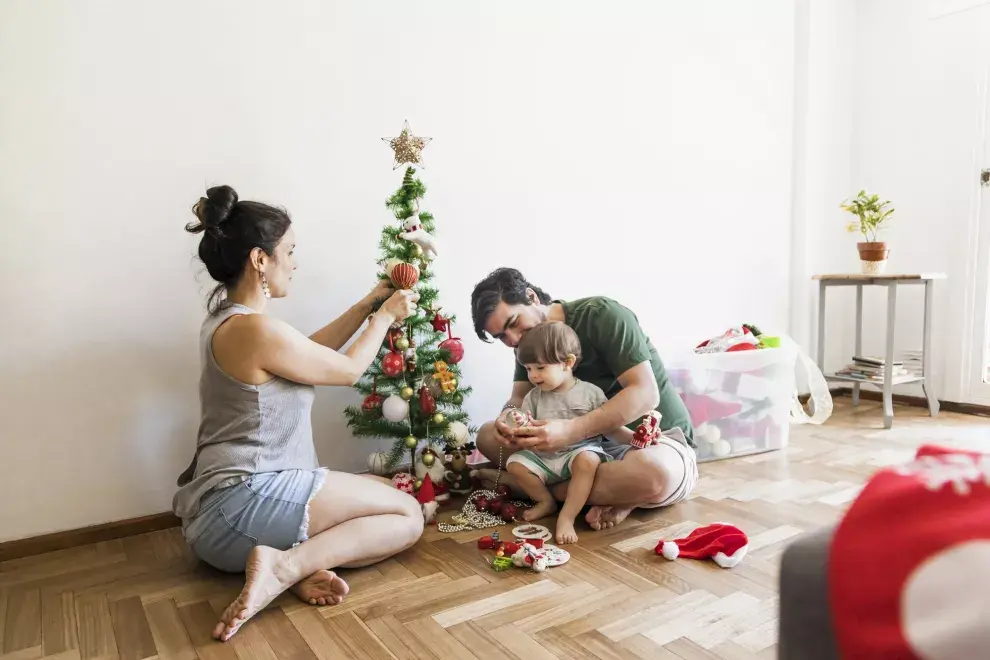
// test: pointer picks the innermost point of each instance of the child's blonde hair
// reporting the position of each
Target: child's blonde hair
(550, 342)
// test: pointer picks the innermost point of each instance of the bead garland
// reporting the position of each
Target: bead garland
(470, 517)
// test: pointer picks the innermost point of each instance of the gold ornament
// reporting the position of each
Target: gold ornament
(429, 459)
(438, 418)
(401, 344)
(418, 484)
(417, 251)
(411, 442)
(458, 399)
(407, 147)
(406, 393)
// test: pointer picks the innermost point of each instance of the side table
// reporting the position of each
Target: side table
(891, 282)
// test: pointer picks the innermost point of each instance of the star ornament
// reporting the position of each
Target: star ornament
(407, 147)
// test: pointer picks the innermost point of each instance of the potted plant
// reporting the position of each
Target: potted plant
(872, 214)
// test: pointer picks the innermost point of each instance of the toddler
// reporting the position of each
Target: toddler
(550, 351)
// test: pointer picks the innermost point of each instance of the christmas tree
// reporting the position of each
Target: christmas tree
(413, 390)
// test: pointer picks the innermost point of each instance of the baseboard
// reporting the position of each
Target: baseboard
(917, 401)
(94, 534)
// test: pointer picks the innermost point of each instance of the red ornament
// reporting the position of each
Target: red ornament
(481, 503)
(454, 346)
(374, 400)
(503, 491)
(508, 512)
(439, 323)
(405, 276)
(426, 401)
(495, 506)
(393, 364)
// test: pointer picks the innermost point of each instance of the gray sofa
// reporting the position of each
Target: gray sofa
(805, 620)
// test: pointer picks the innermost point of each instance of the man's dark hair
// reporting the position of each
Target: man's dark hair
(503, 285)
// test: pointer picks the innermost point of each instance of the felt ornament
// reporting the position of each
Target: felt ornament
(427, 499)
(724, 544)
(413, 231)
(403, 481)
(529, 557)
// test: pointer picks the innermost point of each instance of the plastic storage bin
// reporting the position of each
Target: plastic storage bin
(740, 402)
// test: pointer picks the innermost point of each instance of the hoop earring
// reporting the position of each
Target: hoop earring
(264, 287)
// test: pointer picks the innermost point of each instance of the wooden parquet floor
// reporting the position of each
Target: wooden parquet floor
(146, 597)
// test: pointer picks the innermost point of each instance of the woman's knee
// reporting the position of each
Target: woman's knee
(660, 472)
(412, 525)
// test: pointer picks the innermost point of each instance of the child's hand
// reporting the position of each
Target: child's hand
(544, 435)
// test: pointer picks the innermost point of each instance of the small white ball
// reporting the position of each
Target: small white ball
(395, 409)
(721, 448)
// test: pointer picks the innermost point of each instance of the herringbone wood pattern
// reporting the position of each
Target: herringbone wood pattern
(146, 597)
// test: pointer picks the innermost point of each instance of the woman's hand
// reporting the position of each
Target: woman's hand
(382, 290)
(401, 305)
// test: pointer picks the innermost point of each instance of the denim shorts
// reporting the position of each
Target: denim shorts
(269, 508)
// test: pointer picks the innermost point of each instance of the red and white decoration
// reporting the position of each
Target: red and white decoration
(739, 338)
(648, 431)
(404, 481)
(515, 418)
(529, 557)
(413, 231)
(909, 563)
(724, 544)
(427, 500)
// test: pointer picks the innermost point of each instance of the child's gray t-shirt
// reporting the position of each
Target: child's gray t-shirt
(580, 400)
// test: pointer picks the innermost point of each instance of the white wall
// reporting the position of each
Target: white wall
(920, 107)
(823, 169)
(638, 149)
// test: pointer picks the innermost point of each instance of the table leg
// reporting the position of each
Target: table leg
(888, 367)
(859, 336)
(926, 350)
(821, 326)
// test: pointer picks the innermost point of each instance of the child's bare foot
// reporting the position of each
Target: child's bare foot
(565, 531)
(321, 588)
(263, 583)
(540, 510)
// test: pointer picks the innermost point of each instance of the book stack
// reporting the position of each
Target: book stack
(912, 361)
(871, 370)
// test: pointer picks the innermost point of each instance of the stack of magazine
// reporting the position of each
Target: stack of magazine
(871, 369)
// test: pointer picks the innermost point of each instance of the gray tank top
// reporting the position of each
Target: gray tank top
(244, 429)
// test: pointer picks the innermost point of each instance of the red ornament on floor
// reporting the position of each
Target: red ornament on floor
(508, 512)
(481, 504)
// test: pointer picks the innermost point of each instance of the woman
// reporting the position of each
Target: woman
(254, 498)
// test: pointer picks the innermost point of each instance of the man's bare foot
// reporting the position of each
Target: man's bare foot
(604, 517)
(263, 583)
(540, 510)
(321, 588)
(565, 531)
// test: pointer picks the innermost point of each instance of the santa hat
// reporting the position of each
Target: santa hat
(426, 497)
(724, 544)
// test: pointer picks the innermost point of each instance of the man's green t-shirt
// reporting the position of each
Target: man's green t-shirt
(612, 342)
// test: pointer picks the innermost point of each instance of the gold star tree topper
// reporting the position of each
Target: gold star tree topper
(407, 147)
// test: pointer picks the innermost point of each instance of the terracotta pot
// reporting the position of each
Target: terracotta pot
(873, 257)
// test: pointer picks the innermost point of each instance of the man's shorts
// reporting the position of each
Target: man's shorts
(553, 468)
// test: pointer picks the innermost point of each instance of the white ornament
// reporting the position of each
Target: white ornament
(515, 418)
(709, 433)
(457, 433)
(377, 462)
(414, 232)
(395, 409)
(721, 448)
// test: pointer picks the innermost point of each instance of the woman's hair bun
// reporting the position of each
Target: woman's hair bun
(214, 209)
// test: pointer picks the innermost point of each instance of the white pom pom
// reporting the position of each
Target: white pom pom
(670, 550)
(722, 448)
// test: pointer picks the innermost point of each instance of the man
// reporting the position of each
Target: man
(619, 358)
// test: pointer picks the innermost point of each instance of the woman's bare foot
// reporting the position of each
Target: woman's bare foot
(565, 531)
(604, 517)
(540, 510)
(321, 588)
(264, 581)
